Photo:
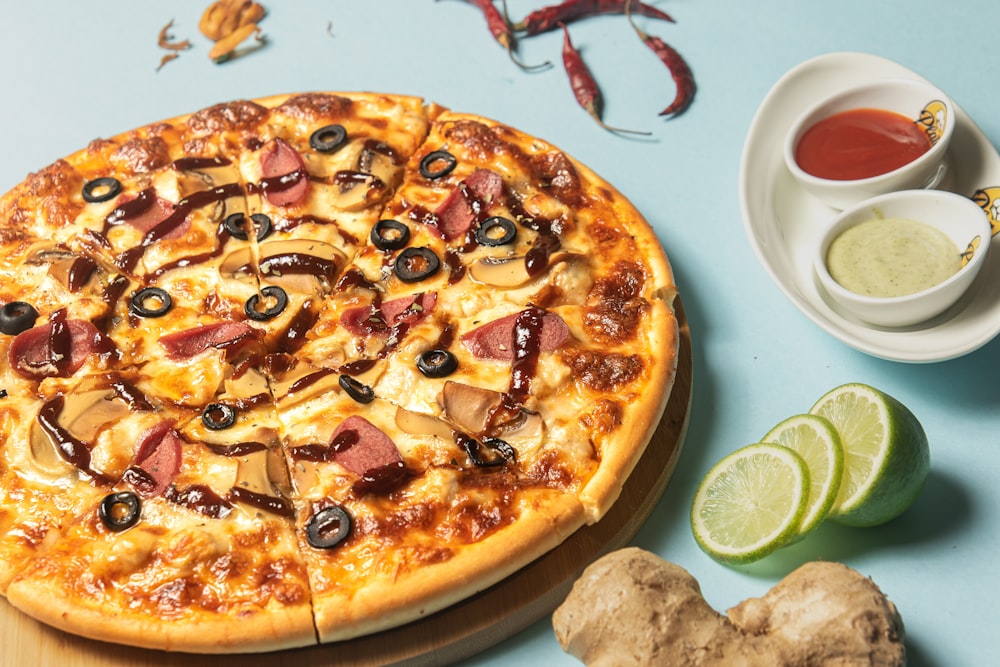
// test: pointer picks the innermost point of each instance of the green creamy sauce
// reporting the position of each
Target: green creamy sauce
(886, 257)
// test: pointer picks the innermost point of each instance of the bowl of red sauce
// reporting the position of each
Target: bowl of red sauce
(872, 139)
(903, 258)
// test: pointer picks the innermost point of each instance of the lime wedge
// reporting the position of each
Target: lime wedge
(886, 456)
(816, 440)
(750, 503)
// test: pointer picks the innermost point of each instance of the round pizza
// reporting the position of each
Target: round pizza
(304, 368)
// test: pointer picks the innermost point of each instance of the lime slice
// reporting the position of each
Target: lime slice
(816, 440)
(750, 503)
(886, 457)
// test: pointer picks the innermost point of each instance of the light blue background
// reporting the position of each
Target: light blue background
(75, 71)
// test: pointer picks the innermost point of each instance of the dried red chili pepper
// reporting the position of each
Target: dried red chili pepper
(679, 69)
(500, 28)
(548, 18)
(585, 89)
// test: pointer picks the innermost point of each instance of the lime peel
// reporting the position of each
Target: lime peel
(886, 454)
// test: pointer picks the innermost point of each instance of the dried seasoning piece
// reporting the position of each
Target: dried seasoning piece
(229, 23)
(224, 17)
(166, 40)
(225, 48)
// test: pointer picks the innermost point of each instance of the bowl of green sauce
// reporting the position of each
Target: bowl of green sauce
(902, 258)
(871, 139)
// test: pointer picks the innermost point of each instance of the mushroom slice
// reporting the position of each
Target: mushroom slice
(370, 182)
(298, 264)
(509, 271)
(526, 433)
(65, 266)
(85, 413)
(237, 263)
(417, 423)
(500, 272)
(468, 407)
(253, 473)
(302, 383)
(247, 384)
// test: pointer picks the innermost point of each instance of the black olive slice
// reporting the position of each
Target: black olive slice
(101, 189)
(270, 293)
(328, 527)
(218, 416)
(500, 452)
(390, 235)
(361, 393)
(119, 511)
(496, 231)
(329, 138)
(150, 302)
(437, 164)
(17, 316)
(415, 264)
(235, 224)
(437, 363)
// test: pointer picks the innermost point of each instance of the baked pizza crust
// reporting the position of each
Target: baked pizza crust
(410, 129)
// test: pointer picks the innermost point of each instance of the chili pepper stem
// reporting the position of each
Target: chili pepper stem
(617, 130)
(507, 43)
(584, 86)
(680, 72)
(499, 27)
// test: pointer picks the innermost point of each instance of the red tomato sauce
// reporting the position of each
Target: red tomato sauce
(860, 143)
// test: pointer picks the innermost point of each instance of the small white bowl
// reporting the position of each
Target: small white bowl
(960, 218)
(924, 103)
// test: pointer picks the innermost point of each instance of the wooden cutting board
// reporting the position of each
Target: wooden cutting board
(458, 632)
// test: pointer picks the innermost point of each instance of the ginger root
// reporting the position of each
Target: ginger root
(633, 608)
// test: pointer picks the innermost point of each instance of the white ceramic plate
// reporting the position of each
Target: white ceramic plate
(783, 221)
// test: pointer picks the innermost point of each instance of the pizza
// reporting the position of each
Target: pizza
(305, 368)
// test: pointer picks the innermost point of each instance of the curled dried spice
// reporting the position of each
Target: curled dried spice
(225, 48)
(224, 17)
(165, 59)
(166, 41)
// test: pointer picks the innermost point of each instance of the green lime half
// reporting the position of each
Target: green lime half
(750, 503)
(816, 440)
(886, 456)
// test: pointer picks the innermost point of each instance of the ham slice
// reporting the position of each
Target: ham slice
(495, 340)
(146, 211)
(56, 349)
(366, 320)
(221, 335)
(463, 206)
(285, 181)
(158, 457)
(361, 447)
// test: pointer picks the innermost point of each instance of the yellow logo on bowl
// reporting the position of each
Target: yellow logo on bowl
(933, 119)
(989, 200)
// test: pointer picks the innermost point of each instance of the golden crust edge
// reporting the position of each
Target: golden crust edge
(260, 631)
(478, 566)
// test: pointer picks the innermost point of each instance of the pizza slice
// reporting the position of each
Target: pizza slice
(185, 538)
(396, 522)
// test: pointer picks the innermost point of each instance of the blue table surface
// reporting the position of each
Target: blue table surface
(76, 71)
